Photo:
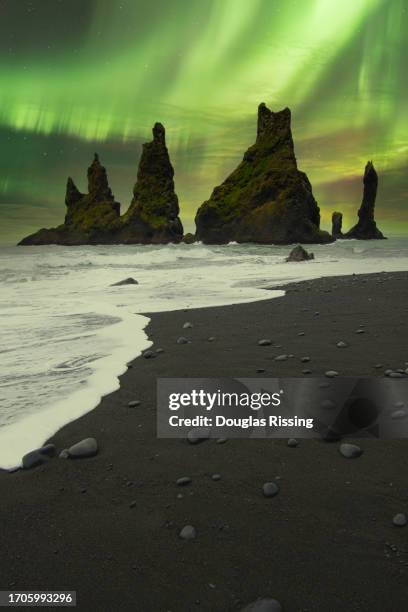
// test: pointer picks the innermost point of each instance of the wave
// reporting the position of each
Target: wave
(70, 334)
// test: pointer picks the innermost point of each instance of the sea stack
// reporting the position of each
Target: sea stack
(337, 222)
(153, 214)
(90, 219)
(266, 199)
(366, 227)
(94, 218)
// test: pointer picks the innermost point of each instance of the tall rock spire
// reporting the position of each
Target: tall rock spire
(72, 194)
(98, 186)
(153, 213)
(366, 227)
(266, 199)
(337, 222)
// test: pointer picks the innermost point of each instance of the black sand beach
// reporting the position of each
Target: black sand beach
(108, 526)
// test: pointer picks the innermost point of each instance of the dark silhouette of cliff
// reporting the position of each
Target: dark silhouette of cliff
(266, 199)
(366, 227)
(94, 217)
(337, 222)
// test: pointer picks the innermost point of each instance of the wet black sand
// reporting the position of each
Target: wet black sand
(325, 543)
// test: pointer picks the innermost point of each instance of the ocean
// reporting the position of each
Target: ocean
(66, 334)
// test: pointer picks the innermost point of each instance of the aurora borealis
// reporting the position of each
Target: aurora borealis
(84, 75)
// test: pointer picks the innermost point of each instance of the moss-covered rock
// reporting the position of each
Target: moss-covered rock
(153, 214)
(266, 199)
(94, 217)
(91, 218)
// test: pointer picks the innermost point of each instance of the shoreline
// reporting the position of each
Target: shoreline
(80, 514)
(41, 426)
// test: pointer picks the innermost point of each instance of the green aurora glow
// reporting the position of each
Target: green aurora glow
(79, 75)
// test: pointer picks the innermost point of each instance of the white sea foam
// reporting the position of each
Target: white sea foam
(66, 334)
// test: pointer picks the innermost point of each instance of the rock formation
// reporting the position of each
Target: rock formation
(90, 219)
(266, 199)
(366, 227)
(94, 218)
(126, 281)
(189, 238)
(337, 222)
(153, 214)
(298, 253)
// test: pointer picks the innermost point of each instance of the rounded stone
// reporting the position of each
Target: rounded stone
(331, 373)
(188, 533)
(33, 459)
(85, 448)
(265, 342)
(270, 489)
(47, 449)
(183, 481)
(398, 414)
(400, 520)
(293, 443)
(134, 403)
(263, 605)
(38, 456)
(350, 451)
(187, 325)
(182, 340)
(341, 344)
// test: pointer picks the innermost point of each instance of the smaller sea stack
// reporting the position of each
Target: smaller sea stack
(337, 222)
(366, 227)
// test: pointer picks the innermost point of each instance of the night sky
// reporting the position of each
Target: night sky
(78, 76)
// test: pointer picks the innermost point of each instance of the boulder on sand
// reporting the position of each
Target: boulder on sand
(84, 448)
(299, 254)
(263, 605)
(38, 456)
